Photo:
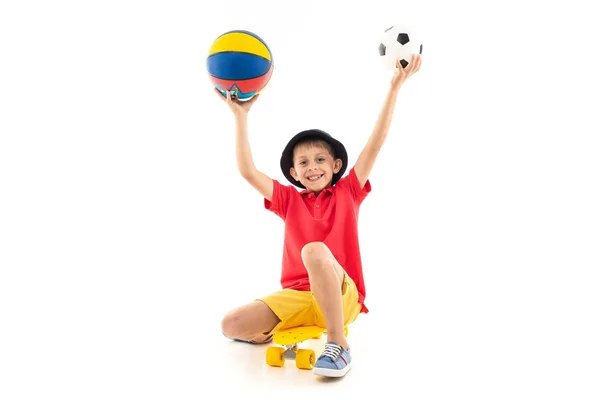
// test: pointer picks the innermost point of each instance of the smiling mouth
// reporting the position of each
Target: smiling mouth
(315, 178)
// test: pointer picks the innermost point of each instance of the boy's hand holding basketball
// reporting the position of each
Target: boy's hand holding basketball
(239, 108)
(402, 74)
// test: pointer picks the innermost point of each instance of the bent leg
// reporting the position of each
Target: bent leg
(326, 281)
(251, 322)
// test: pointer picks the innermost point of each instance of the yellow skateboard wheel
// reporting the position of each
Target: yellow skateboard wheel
(275, 356)
(305, 359)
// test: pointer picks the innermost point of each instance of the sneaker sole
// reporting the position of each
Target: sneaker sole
(332, 373)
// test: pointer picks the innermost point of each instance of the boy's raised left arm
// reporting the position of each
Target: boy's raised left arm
(369, 154)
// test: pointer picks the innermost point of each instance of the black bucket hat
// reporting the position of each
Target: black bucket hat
(287, 157)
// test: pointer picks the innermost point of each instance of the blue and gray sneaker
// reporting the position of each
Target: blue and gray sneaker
(334, 362)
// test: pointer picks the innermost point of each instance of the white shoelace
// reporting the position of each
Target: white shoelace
(333, 350)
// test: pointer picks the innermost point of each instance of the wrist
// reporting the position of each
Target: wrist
(393, 89)
(240, 115)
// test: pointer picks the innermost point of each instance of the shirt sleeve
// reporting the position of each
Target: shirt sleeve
(281, 199)
(351, 184)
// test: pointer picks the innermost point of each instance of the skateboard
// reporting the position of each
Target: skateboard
(288, 341)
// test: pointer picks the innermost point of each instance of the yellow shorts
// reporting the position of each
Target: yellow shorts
(299, 308)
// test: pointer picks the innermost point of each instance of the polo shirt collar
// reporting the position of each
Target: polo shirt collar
(307, 192)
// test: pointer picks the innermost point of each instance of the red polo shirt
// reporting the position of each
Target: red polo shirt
(331, 218)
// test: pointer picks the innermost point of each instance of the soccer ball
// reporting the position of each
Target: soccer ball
(398, 41)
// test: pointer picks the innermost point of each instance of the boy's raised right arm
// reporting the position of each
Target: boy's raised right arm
(261, 182)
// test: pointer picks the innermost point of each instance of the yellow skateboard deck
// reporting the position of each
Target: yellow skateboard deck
(289, 339)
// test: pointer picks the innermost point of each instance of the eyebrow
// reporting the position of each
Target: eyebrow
(316, 155)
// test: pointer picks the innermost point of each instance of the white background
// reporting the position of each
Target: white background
(126, 232)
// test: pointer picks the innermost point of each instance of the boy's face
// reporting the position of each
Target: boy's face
(314, 167)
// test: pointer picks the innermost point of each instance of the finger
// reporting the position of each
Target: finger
(417, 61)
(228, 96)
(413, 64)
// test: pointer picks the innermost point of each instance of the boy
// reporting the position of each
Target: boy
(322, 272)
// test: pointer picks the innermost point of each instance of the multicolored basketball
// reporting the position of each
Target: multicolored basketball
(239, 62)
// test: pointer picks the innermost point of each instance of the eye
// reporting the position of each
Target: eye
(321, 159)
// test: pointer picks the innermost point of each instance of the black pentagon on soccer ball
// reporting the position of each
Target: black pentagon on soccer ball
(404, 63)
(402, 38)
(382, 49)
(421, 49)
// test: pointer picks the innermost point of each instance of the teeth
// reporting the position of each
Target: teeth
(314, 178)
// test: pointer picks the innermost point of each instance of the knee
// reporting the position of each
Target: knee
(315, 254)
(230, 325)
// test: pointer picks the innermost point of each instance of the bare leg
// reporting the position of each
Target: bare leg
(326, 279)
(250, 322)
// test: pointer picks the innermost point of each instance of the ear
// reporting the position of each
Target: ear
(294, 174)
(337, 165)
